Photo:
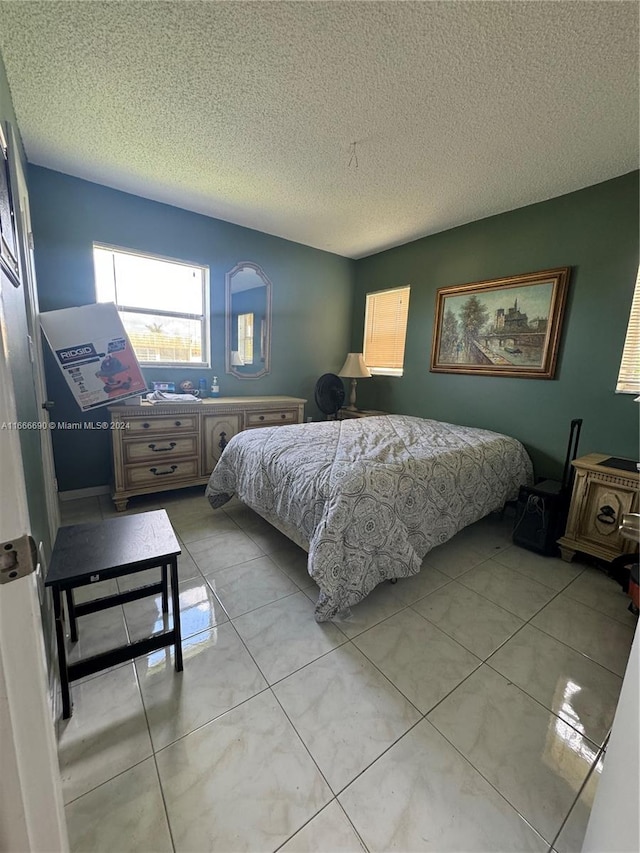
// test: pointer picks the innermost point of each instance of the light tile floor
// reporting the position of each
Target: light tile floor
(465, 709)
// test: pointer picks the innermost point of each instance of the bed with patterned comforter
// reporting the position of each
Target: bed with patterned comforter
(369, 497)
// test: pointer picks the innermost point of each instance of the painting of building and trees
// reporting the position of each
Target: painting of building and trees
(500, 327)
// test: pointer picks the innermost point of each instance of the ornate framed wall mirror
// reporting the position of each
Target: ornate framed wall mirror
(248, 319)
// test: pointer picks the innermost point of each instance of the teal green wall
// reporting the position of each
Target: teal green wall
(312, 293)
(595, 232)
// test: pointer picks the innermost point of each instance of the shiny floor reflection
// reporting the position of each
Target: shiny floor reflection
(444, 717)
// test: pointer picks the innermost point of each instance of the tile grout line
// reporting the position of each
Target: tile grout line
(593, 743)
(525, 621)
(584, 568)
(395, 686)
(233, 707)
(153, 754)
(222, 713)
(298, 735)
(254, 609)
(341, 807)
(337, 793)
(601, 753)
(106, 781)
(600, 612)
(351, 640)
(518, 575)
(508, 640)
(360, 838)
(599, 748)
(488, 781)
(573, 649)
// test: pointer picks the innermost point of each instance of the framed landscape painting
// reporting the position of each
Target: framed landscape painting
(503, 327)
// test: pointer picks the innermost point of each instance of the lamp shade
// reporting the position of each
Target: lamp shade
(354, 367)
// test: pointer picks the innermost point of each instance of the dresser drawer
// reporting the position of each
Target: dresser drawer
(161, 447)
(162, 472)
(155, 448)
(281, 416)
(169, 423)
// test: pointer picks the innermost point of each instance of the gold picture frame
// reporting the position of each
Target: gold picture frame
(501, 327)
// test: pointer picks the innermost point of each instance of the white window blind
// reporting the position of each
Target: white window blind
(629, 375)
(385, 330)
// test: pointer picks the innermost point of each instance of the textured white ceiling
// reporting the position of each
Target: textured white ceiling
(246, 111)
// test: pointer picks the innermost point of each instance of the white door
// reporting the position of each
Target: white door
(31, 806)
(25, 241)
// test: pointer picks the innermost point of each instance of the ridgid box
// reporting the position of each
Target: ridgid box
(92, 350)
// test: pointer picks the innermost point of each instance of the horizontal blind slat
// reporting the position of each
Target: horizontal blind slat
(629, 374)
(385, 328)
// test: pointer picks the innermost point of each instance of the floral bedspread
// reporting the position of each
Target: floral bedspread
(369, 497)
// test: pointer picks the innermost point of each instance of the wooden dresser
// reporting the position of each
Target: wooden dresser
(601, 496)
(162, 447)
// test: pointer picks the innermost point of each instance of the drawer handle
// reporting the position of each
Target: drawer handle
(606, 514)
(146, 426)
(283, 416)
(155, 449)
(261, 418)
(157, 473)
(178, 423)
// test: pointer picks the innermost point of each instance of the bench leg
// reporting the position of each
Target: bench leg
(62, 655)
(71, 610)
(165, 590)
(175, 599)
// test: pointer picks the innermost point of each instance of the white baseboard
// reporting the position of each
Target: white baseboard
(91, 492)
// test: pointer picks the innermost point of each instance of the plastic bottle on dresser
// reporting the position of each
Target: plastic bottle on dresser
(215, 387)
(202, 386)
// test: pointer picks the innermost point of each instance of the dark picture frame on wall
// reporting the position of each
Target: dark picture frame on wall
(8, 238)
(501, 327)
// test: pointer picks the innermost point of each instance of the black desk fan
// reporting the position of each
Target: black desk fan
(329, 394)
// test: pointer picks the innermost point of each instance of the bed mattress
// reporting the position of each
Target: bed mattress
(369, 497)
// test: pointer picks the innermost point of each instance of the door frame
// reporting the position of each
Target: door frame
(31, 804)
(27, 264)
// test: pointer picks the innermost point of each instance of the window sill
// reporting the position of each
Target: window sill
(173, 365)
(386, 371)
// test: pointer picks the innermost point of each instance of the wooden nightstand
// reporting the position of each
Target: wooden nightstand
(602, 494)
(346, 414)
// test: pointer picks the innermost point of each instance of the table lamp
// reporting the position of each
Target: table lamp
(354, 368)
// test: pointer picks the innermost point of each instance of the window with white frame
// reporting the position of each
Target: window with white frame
(163, 305)
(629, 375)
(385, 330)
(245, 337)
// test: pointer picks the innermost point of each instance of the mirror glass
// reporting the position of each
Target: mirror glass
(248, 309)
